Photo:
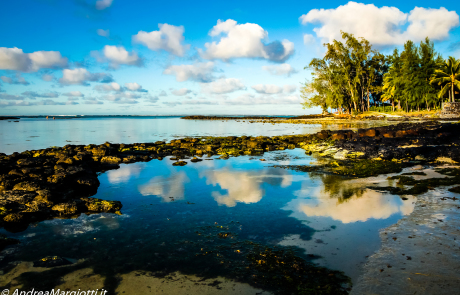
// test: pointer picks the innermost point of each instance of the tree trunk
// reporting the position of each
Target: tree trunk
(393, 105)
(453, 92)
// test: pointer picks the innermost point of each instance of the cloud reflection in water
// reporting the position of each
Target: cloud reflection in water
(168, 188)
(347, 201)
(244, 187)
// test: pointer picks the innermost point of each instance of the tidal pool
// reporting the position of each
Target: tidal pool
(201, 221)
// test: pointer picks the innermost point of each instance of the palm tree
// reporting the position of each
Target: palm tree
(448, 77)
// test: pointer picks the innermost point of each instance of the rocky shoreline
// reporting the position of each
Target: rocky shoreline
(59, 182)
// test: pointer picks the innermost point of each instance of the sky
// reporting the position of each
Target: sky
(118, 57)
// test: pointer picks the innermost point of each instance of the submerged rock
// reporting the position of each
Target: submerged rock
(51, 261)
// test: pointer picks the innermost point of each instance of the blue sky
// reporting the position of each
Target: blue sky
(184, 57)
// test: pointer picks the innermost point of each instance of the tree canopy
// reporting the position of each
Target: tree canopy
(352, 77)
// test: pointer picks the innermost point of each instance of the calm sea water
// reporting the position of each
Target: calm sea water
(171, 214)
(39, 133)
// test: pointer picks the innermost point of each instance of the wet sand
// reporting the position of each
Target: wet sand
(420, 254)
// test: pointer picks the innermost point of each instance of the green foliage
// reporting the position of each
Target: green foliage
(352, 76)
(447, 77)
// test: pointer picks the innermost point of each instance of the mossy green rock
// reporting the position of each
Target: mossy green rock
(98, 205)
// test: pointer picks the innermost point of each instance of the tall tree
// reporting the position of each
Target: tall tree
(448, 77)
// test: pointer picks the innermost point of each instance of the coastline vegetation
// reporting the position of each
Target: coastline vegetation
(352, 78)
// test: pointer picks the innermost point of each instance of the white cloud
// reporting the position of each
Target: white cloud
(103, 33)
(251, 99)
(134, 87)
(10, 97)
(181, 92)
(47, 77)
(382, 26)
(289, 88)
(92, 100)
(123, 98)
(223, 85)
(267, 89)
(47, 60)
(103, 4)
(245, 41)
(16, 59)
(118, 55)
(109, 87)
(169, 38)
(17, 80)
(163, 93)
(74, 94)
(280, 70)
(308, 39)
(82, 76)
(201, 72)
(273, 89)
(34, 95)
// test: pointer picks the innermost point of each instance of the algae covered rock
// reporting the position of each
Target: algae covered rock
(179, 163)
(98, 205)
(51, 261)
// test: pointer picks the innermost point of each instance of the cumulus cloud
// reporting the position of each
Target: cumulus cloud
(289, 88)
(245, 41)
(109, 87)
(251, 99)
(134, 87)
(16, 80)
(74, 94)
(103, 33)
(118, 55)
(308, 39)
(169, 38)
(384, 25)
(16, 59)
(152, 99)
(123, 98)
(181, 92)
(83, 76)
(200, 72)
(223, 85)
(280, 70)
(103, 4)
(47, 77)
(267, 89)
(16, 103)
(34, 95)
(92, 100)
(163, 93)
(10, 97)
(273, 89)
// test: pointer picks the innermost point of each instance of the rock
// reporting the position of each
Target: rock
(420, 158)
(14, 218)
(51, 261)
(195, 159)
(111, 160)
(338, 136)
(69, 208)
(323, 134)
(368, 133)
(180, 163)
(341, 155)
(252, 144)
(446, 160)
(27, 186)
(98, 205)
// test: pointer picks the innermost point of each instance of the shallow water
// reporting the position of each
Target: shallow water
(39, 133)
(173, 215)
